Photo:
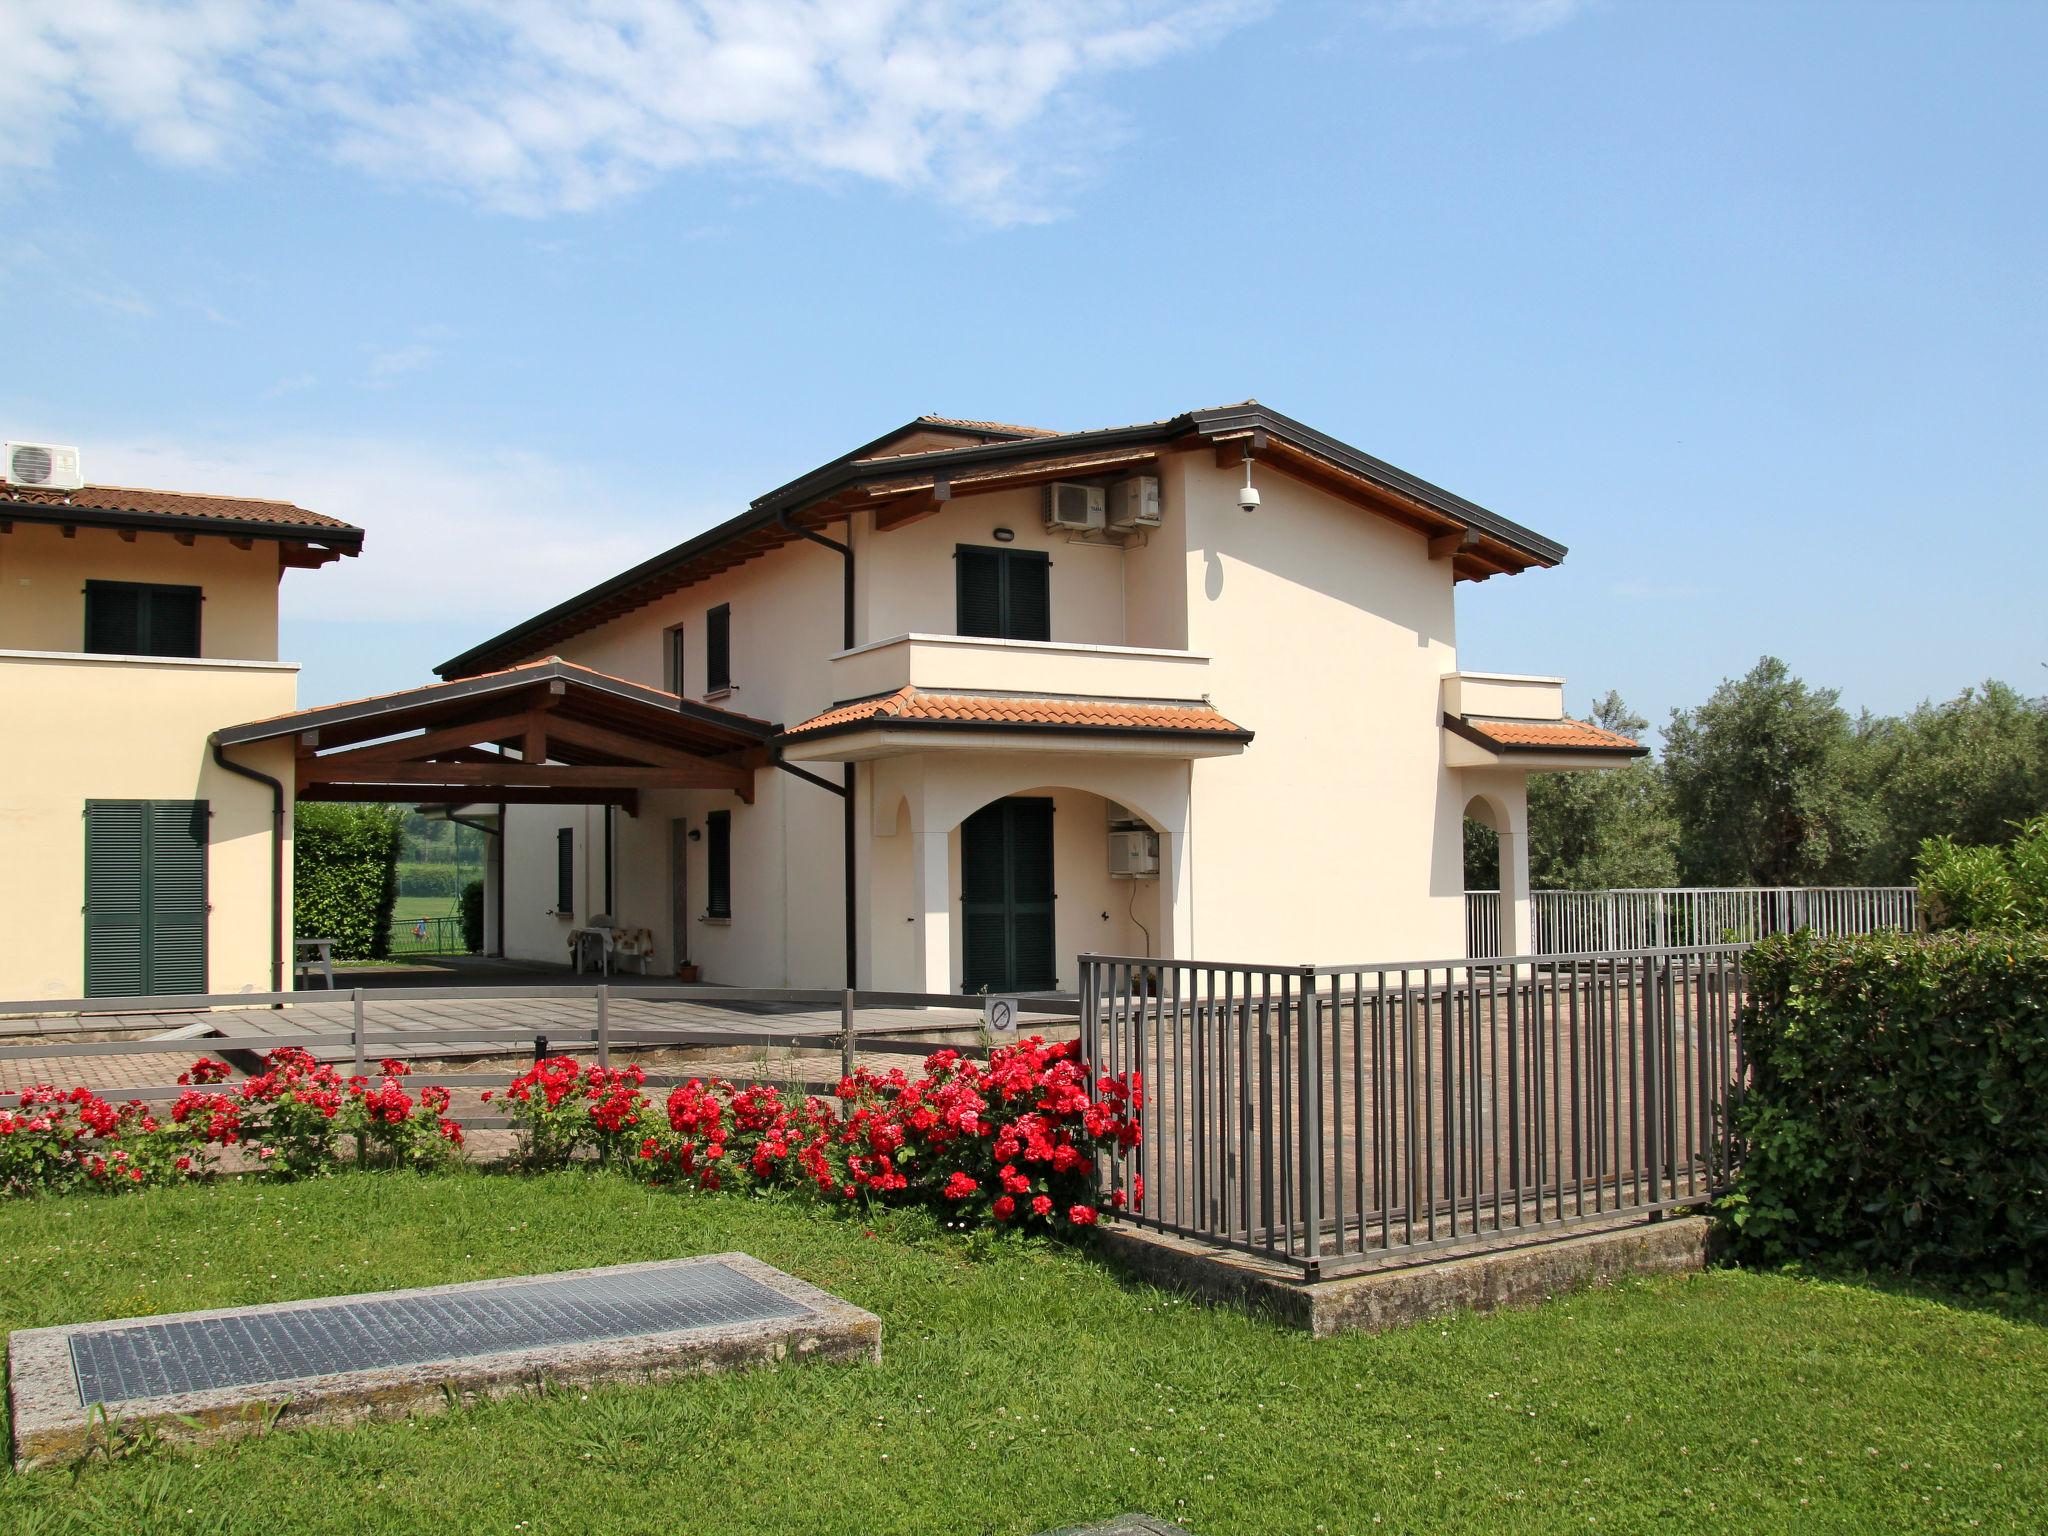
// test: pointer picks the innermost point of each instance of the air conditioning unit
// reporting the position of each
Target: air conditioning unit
(1134, 503)
(42, 464)
(1076, 508)
(1134, 855)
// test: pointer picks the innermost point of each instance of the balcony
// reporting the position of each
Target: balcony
(939, 663)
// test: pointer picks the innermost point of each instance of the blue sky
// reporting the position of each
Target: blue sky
(1742, 302)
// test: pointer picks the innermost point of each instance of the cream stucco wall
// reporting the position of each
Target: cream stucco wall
(43, 577)
(787, 927)
(89, 727)
(1338, 835)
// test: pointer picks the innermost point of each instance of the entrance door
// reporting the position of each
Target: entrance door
(1006, 919)
(145, 897)
(679, 890)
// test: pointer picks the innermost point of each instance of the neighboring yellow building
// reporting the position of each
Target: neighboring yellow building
(133, 625)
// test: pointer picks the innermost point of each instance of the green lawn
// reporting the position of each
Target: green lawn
(1024, 1386)
(413, 907)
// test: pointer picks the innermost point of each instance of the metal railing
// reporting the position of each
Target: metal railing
(427, 936)
(353, 1029)
(1578, 922)
(1330, 1116)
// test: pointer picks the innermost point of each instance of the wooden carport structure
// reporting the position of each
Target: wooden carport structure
(543, 733)
(548, 733)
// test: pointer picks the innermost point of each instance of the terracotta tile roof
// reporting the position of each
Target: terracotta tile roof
(1553, 736)
(997, 710)
(988, 426)
(175, 504)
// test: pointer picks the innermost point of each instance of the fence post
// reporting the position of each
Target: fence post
(1311, 1121)
(846, 1033)
(604, 1029)
(1654, 1106)
(355, 1031)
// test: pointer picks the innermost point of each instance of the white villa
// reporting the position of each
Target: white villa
(973, 699)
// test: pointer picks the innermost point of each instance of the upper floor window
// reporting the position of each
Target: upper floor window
(133, 618)
(672, 671)
(718, 649)
(1005, 594)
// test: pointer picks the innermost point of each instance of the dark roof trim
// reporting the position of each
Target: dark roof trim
(515, 680)
(1006, 728)
(1477, 737)
(348, 540)
(847, 471)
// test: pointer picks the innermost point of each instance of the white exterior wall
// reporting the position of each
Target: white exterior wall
(1337, 836)
(788, 922)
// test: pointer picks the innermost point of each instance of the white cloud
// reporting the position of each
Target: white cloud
(386, 364)
(538, 106)
(482, 537)
(1505, 20)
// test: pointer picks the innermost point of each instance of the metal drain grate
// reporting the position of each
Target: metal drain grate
(292, 1343)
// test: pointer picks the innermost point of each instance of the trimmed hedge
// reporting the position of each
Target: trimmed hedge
(473, 917)
(420, 879)
(345, 876)
(1896, 1112)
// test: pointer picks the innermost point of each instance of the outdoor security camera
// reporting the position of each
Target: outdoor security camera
(1248, 498)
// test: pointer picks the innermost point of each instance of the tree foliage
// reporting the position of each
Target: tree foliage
(1770, 782)
(1983, 885)
(345, 876)
(1971, 769)
(1763, 784)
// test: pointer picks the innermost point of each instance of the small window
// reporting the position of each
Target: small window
(133, 618)
(673, 671)
(565, 872)
(1004, 594)
(718, 649)
(718, 854)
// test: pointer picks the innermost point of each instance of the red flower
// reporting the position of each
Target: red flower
(960, 1186)
(1004, 1208)
(1081, 1215)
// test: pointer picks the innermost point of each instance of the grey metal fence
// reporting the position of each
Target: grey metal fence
(1576, 922)
(1330, 1116)
(427, 936)
(818, 1034)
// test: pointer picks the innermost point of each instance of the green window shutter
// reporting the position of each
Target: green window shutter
(565, 871)
(1032, 947)
(718, 649)
(1005, 594)
(113, 619)
(177, 896)
(133, 618)
(116, 898)
(1028, 600)
(718, 856)
(978, 589)
(1006, 897)
(174, 621)
(675, 673)
(145, 897)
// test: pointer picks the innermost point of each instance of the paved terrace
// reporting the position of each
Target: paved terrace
(445, 1019)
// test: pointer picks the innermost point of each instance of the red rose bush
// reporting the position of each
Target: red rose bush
(1020, 1140)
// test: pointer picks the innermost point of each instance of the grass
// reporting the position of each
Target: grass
(1024, 1386)
(412, 908)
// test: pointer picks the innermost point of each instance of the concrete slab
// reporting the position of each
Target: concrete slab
(1528, 1273)
(203, 1376)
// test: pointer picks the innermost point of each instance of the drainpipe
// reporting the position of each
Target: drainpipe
(845, 553)
(276, 856)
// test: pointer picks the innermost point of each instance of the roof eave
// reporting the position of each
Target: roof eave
(347, 539)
